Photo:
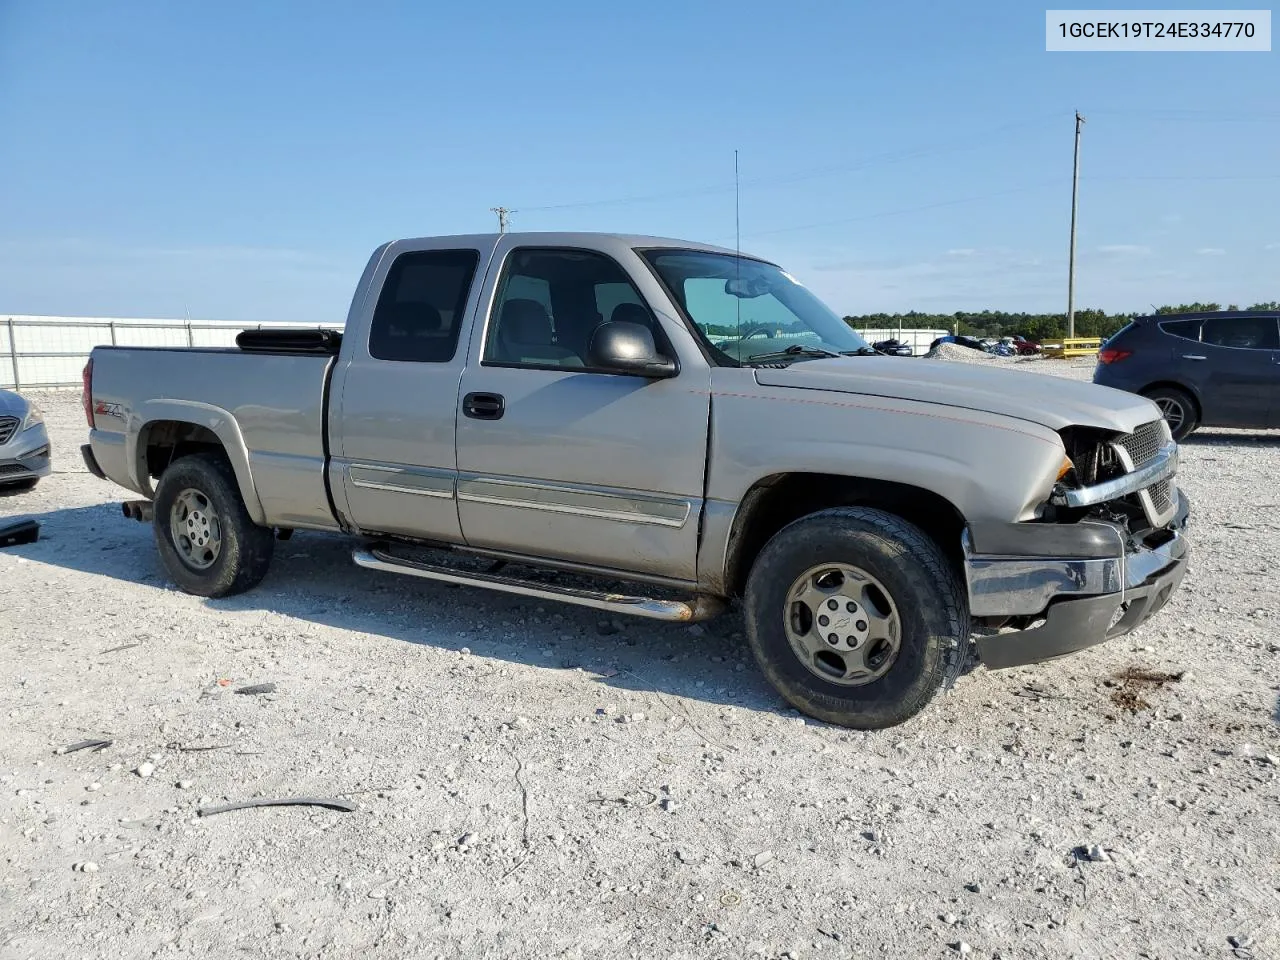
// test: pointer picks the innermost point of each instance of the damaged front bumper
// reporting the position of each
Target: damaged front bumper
(1075, 601)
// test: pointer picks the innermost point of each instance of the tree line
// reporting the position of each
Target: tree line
(1033, 326)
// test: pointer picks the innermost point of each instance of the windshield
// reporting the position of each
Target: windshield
(749, 311)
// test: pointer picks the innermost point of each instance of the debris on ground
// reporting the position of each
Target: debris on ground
(1134, 681)
(255, 689)
(20, 532)
(94, 745)
(123, 646)
(325, 802)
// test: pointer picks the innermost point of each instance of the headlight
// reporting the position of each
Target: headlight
(34, 417)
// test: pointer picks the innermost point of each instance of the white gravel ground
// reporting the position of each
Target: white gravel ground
(531, 783)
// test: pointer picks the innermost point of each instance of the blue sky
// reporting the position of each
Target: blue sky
(240, 161)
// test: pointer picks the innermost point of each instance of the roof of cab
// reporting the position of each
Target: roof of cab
(588, 239)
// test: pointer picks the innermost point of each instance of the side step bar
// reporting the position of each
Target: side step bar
(673, 611)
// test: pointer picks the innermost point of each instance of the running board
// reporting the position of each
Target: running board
(673, 611)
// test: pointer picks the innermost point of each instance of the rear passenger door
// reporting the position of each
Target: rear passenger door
(1241, 374)
(394, 461)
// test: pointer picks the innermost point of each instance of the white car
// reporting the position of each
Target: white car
(24, 442)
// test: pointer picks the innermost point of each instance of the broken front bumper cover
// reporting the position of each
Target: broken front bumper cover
(1081, 601)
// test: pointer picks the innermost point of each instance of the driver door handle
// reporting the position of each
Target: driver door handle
(1193, 356)
(484, 406)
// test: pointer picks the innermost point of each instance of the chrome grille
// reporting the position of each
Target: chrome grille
(8, 427)
(1161, 495)
(1144, 443)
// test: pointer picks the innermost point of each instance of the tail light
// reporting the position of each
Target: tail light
(1113, 355)
(87, 397)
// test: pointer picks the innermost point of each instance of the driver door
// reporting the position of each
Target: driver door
(564, 462)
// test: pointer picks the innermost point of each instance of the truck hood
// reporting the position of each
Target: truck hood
(1053, 402)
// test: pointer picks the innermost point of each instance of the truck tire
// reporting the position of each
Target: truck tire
(856, 617)
(205, 537)
(1177, 407)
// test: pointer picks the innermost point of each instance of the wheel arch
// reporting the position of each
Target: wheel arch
(777, 500)
(172, 428)
(1189, 390)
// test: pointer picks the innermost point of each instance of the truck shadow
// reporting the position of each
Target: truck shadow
(313, 579)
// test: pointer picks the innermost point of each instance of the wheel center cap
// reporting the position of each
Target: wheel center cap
(842, 623)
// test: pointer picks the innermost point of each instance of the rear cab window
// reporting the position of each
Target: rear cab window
(420, 308)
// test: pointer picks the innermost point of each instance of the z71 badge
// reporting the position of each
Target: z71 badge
(108, 409)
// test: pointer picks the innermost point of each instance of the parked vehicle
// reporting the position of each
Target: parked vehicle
(1213, 369)
(973, 343)
(893, 347)
(24, 443)
(1025, 347)
(571, 402)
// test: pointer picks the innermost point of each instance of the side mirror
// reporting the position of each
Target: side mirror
(628, 348)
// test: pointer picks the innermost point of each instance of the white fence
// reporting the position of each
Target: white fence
(51, 351)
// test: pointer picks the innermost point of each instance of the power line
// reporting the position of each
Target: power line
(937, 147)
(1039, 185)
(894, 213)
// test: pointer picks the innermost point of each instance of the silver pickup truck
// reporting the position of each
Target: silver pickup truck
(657, 427)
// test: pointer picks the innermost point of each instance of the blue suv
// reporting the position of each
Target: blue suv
(1212, 369)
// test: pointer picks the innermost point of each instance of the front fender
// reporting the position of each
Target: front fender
(220, 421)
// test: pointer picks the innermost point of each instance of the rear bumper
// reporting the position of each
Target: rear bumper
(90, 461)
(26, 456)
(1082, 601)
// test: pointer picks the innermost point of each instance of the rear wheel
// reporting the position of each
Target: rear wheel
(1177, 408)
(856, 617)
(203, 532)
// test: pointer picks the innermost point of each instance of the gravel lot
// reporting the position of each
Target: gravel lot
(530, 781)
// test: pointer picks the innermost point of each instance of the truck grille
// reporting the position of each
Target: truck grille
(8, 427)
(1161, 495)
(1158, 501)
(1144, 443)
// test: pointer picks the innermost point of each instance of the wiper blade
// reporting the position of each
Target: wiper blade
(860, 352)
(793, 352)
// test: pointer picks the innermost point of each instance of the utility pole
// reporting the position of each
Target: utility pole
(503, 213)
(1075, 202)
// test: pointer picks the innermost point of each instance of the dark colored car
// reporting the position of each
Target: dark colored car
(893, 347)
(973, 343)
(1213, 369)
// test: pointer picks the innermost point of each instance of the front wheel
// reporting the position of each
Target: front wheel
(203, 532)
(856, 617)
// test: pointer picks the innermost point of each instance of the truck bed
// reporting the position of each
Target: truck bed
(268, 409)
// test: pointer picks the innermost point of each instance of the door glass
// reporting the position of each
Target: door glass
(420, 309)
(550, 302)
(1246, 333)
